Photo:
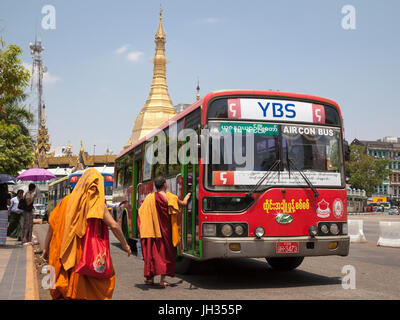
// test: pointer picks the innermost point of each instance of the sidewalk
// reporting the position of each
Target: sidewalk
(17, 272)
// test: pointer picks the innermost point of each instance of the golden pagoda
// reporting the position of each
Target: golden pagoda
(158, 107)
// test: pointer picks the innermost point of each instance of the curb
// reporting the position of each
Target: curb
(31, 284)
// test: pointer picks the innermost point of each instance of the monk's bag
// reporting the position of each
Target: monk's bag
(96, 260)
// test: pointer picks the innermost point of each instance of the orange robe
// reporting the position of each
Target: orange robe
(68, 222)
(149, 226)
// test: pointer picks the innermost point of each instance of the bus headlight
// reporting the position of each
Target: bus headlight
(209, 230)
(334, 229)
(324, 229)
(226, 230)
(259, 232)
(239, 230)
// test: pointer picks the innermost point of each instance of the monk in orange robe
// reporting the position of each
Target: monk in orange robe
(159, 232)
(65, 239)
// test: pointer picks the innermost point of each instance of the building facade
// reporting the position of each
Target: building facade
(387, 148)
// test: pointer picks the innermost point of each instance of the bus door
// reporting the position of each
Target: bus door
(190, 216)
(190, 174)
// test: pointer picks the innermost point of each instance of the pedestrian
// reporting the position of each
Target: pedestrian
(159, 232)
(16, 219)
(5, 201)
(27, 227)
(46, 212)
(65, 239)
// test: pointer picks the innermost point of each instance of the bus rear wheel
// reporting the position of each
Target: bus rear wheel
(183, 265)
(285, 263)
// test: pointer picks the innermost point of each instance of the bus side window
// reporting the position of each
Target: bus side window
(174, 166)
(160, 168)
(128, 169)
(120, 178)
(138, 155)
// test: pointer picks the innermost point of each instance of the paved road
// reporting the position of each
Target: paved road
(377, 276)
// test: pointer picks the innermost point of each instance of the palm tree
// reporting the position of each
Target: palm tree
(13, 113)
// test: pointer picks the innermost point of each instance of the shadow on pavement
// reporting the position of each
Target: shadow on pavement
(116, 244)
(146, 287)
(228, 274)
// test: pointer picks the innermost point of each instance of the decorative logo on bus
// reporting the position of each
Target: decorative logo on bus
(338, 208)
(283, 218)
(291, 206)
(323, 210)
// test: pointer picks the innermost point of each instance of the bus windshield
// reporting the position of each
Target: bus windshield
(314, 150)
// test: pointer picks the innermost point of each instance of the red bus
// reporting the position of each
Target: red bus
(290, 203)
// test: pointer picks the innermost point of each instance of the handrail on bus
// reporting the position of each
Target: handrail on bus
(176, 181)
(138, 195)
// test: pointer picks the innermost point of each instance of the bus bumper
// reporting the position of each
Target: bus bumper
(266, 247)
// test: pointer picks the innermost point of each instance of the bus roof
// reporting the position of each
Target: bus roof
(227, 92)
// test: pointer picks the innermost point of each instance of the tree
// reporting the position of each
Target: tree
(16, 150)
(13, 113)
(364, 171)
(14, 78)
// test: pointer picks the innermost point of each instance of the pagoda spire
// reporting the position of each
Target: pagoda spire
(43, 145)
(158, 107)
(198, 90)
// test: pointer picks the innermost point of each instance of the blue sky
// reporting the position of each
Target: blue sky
(93, 91)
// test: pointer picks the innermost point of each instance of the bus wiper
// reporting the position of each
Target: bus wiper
(290, 161)
(265, 176)
(287, 158)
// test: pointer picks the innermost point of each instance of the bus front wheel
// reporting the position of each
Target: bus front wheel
(183, 265)
(285, 263)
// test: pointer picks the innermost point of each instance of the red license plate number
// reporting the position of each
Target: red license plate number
(287, 247)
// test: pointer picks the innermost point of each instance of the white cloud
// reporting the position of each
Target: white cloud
(50, 79)
(210, 20)
(122, 49)
(47, 77)
(134, 55)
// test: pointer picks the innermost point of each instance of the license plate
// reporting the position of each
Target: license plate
(287, 247)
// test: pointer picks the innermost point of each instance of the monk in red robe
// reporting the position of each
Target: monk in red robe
(159, 232)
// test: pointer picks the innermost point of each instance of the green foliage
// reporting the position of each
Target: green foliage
(14, 78)
(364, 171)
(16, 114)
(16, 150)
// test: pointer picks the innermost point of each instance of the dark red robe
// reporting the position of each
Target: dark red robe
(159, 253)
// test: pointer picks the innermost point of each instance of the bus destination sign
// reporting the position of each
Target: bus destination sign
(275, 110)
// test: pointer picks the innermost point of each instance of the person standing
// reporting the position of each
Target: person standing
(16, 221)
(30, 197)
(65, 240)
(159, 232)
(5, 201)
